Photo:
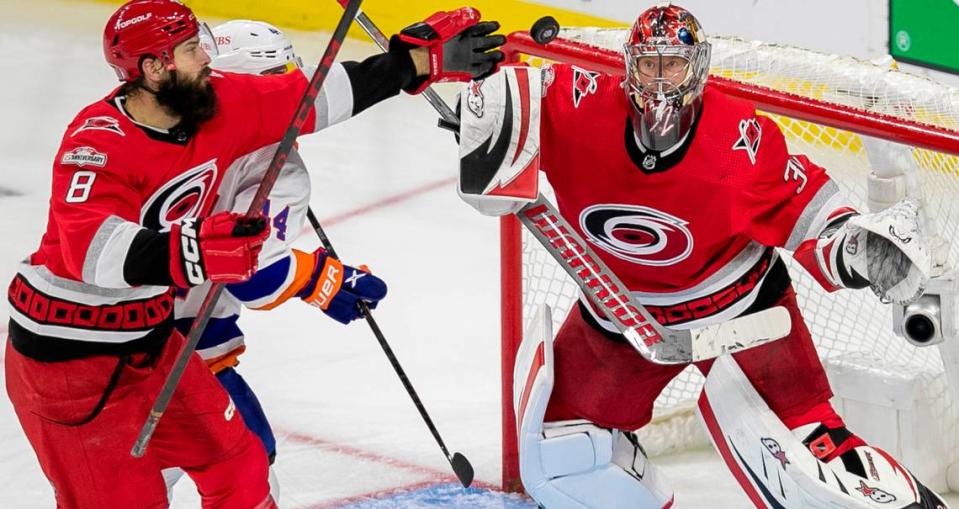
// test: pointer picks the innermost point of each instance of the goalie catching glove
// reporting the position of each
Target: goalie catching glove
(335, 288)
(460, 46)
(221, 248)
(885, 251)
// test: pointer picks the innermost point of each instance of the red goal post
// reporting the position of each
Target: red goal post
(813, 111)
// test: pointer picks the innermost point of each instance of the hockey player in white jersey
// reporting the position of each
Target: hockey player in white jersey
(255, 47)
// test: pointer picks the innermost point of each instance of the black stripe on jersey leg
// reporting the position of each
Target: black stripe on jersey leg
(822, 476)
(53, 349)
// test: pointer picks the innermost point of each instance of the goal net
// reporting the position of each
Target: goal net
(826, 106)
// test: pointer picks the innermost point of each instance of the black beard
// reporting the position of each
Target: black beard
(193, 101)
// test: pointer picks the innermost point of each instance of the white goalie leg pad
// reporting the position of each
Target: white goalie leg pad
(775, 468)
(500, 139)
(574, 464)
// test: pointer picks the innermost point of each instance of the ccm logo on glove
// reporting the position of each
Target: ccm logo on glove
(190, 246)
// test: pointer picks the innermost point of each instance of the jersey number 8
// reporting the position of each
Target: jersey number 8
(80, 186)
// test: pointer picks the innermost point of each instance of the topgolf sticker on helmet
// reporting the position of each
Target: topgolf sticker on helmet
(133, 21)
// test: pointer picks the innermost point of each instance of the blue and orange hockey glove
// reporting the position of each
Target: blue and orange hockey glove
(336, 288)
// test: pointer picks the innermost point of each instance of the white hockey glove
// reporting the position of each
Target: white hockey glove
(887, 250)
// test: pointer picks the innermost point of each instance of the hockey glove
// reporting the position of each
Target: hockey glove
(884, 251)
(460, 46)
(888, 250)
(221, 248)
(337, 289)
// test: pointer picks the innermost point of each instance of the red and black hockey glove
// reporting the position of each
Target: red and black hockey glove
(222, 248)
(460, 46)
(337, 289)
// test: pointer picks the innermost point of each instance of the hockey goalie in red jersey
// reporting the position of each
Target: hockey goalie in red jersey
(135, 183)
(686, 194)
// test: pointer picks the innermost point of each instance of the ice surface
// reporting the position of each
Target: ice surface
(348, 435)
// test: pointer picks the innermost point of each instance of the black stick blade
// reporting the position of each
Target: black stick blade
(544, 30)
(462, 468)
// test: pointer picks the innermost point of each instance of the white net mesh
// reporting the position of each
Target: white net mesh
(844, 323)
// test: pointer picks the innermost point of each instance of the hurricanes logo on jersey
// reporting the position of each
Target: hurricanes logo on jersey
(637, 234)
(750, 135)
(584, 83)
(181, 198)
(108, 124)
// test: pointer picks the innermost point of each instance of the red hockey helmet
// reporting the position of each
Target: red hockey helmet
(667, 62)
(142, 28)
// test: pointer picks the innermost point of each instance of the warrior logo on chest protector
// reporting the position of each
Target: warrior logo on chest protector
(637, 234)
(181, 198)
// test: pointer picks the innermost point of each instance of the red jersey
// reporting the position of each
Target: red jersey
(690, 231)
(115, 182)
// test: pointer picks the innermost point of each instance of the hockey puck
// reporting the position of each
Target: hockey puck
(544, 30)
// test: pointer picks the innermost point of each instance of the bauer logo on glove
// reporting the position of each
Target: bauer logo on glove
(337, 289)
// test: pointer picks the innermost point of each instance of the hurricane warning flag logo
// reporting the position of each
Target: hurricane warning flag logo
(584, 83)
(750, 135)
(637, 234)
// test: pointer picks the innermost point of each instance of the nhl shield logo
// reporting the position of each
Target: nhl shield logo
(750, 135)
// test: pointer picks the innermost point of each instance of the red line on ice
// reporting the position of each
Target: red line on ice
(435, 476)
(385, 202)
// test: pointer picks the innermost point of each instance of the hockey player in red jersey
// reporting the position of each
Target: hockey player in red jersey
(258, 48)
(686, 194)
(135, 180)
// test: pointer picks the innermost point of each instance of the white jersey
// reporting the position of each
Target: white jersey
(286, 210)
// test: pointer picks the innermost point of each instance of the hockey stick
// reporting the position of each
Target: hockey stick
(461, 466)
(279, 159)
(383, 43)
(653, 341)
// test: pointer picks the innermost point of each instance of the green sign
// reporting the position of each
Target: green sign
(924, 32)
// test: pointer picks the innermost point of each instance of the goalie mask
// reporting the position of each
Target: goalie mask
(667, 61)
